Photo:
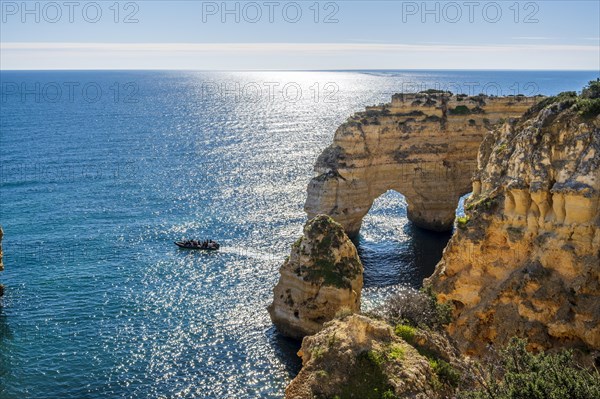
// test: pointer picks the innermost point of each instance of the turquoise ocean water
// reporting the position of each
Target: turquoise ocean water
(100, 172)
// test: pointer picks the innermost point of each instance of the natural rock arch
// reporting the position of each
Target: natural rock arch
(422, 145)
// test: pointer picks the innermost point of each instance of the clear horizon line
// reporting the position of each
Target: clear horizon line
(296, 70)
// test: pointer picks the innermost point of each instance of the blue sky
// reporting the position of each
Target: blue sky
(312, 34)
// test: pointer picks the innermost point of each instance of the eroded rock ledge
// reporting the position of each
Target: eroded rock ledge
(322, 276)
(526, 259)
(359, 357)
(422, 145)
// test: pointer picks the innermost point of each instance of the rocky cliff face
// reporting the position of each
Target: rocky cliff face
(526, 259)
(421, 145)
(359, 357)
(322, 276)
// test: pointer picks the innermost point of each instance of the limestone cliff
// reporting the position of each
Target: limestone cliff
(322, 276)
(359, 357)
(422, 145)
(525, 260)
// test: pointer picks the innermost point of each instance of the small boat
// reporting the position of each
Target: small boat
(206, 245)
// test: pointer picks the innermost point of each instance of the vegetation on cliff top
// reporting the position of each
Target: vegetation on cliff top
(511, 373)
(518, 374)
(367, 379)
(413, 313)
(587, 104)
(435, 91)
(325, 235)
(459, 110)
(484, 203)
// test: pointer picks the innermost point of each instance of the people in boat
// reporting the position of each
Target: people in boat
(204, 244)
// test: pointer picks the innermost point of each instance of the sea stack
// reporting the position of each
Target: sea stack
(322, 276)
(525, 260)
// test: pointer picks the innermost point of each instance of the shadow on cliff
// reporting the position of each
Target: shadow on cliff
(286, 350)
(407, 259)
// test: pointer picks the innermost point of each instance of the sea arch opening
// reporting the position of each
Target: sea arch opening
(424, 145)
(393, 249)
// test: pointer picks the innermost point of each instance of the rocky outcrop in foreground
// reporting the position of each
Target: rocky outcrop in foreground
(322, 276)
(422, 145)
(525, 260)
(359, 357)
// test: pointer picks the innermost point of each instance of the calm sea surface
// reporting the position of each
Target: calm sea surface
(101, 171)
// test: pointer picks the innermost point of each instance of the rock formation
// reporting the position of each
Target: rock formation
(322, 276)
(422, 145)
(525, 260)
(358, 357)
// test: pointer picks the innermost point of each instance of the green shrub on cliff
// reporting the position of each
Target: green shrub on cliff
(396, 352)
(405, 332)
(459, 110)
(592, 90)
(443, 311)
(570, 97)
(484, 203)
(367, 380)
(435, 91)
(519, 374)
(445, 372)
(587, 104)
(462, 221)
(588, 108)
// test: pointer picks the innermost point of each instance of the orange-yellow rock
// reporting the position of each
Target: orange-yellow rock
(527, 262)
(322, 276)
(422, 145)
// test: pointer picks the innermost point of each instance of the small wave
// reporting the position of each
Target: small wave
(252, 253)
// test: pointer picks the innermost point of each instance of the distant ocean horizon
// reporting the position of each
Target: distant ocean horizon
(297, 70)
(100, 171)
